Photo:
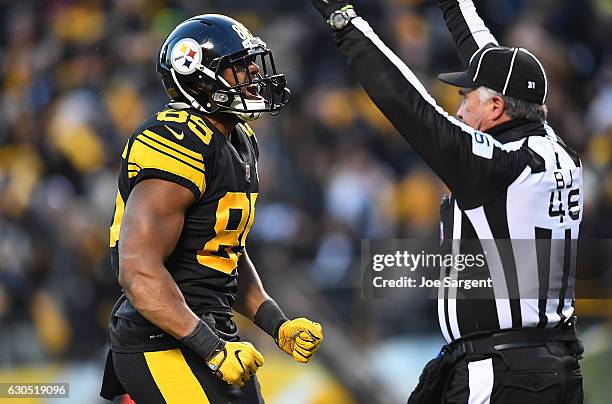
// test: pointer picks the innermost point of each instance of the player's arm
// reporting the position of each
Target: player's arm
(467, 28)
(251, 294)
(300, 337)
(152, 224)
(471, 163)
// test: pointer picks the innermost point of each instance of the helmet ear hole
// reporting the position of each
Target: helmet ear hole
(200, 85)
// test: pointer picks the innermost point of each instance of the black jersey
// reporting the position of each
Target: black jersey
(179, 144)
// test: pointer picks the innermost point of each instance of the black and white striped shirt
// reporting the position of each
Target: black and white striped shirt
(518, 182)
(531, 246)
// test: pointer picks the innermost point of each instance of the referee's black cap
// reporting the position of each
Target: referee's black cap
(514, 72)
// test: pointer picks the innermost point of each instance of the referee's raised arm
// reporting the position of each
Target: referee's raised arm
(471, 162)
(466, 27)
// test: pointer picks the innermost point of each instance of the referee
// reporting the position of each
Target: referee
(513, 180)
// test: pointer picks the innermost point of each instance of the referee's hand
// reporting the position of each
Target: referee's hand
(327, 7)
(236, 363)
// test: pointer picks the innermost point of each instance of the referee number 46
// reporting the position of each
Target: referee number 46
(565, 200)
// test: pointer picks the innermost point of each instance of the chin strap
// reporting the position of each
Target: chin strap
(237, 108)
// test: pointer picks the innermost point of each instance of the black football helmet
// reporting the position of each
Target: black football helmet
(198, 51)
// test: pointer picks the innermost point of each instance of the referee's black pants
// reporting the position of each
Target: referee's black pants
(513, 366)
(546, 374)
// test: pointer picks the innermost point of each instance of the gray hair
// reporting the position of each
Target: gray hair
(516, 109)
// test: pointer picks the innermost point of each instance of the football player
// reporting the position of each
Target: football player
(185, 205)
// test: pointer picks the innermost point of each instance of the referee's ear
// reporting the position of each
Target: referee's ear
(497, 107)
(495, 112)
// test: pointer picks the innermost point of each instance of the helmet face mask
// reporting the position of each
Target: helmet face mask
(216, 65)
(248, 93)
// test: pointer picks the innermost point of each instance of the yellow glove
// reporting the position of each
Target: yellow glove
(300, 338)
(236, 363)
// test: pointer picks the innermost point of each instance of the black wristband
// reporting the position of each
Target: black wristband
(203, 341)
(270, 317)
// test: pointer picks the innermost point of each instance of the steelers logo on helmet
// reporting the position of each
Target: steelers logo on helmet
(186, 56)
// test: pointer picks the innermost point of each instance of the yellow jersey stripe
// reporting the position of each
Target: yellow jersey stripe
(145, 156)
(125, 150)
(174, 378)
(170, 153)
(169, 149)
(116, 226)
(180, 149)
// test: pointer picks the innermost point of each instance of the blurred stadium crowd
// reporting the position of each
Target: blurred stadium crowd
(78, 76)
